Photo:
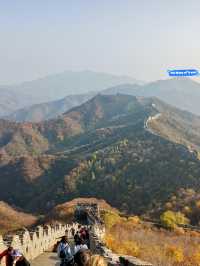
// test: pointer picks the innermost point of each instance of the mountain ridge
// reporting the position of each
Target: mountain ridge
(181, 93)
(99, 149)
(48, 110)
(10, 101)
(13, 219)
(90, 116)
(57, 86)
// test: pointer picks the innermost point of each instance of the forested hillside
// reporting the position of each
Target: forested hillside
(107, 148)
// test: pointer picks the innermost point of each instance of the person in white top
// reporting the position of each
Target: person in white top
(80, 245)
(64, 252)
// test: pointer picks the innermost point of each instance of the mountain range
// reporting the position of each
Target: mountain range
(48, 110)
(134, 152)
(55, 87)
(11, 101)
(182, 93)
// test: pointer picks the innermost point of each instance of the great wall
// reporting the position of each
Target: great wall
(34, 243)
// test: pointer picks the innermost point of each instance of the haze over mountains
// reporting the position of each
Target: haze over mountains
(48, 110)
(181, 92)
(184, 93)
(59, 85)
(105, 148)
(11, 101)
(54, 87)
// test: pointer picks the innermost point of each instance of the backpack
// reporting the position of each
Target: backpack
(62, 254)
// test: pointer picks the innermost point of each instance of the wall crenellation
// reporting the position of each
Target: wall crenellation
(97, 234)
(35, 242)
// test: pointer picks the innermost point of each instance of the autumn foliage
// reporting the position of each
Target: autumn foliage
(161, 247)
(172, 219)
(12, 219)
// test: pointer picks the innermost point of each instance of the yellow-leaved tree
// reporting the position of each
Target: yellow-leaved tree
(171, 219)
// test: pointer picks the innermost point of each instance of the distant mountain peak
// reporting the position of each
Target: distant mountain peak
(184, 93)
(57, 86)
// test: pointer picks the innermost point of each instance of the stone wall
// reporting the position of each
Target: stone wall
(97, 246)
(33, 243)
(43, 238)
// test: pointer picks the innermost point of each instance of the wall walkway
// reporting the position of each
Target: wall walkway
(37, 244)
(33, 243)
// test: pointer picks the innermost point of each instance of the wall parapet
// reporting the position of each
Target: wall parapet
(97, 234)
(35, 242)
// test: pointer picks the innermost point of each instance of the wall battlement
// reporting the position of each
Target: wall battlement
(97, 245)
(43, 238)
(35, 242)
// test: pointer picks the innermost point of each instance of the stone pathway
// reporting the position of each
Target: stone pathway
(49, 258)
(46, 259)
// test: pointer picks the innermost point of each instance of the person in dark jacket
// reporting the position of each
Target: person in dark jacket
(83, 233)
(8, 255)
(73, 231)
(77, 238)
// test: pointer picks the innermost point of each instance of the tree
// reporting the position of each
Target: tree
(172, 219)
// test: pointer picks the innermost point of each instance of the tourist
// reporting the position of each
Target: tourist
(87, 238)
(82, 257)
(8, 256)
(79, 227)
(77, 238)
(55, 247)
(64, 252)
(72, 231)
(87, 234)
(19, 259)
(83, 233)
(80, 245)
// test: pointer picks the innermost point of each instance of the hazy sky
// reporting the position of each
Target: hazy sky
(141, 38)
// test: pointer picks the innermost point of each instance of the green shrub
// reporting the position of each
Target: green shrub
(171, 219)
(111, 218)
